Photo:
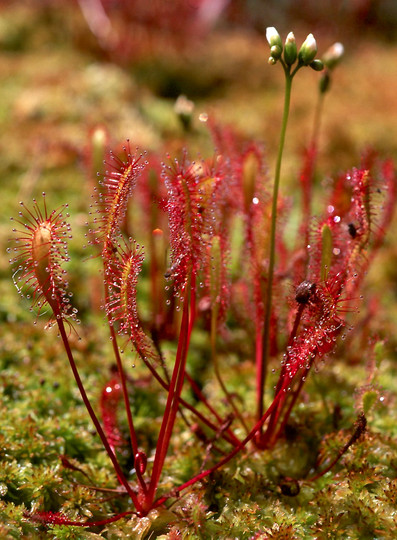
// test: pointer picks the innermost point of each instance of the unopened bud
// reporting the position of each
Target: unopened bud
(308, 50)
(325, 82)
(290, 50)
(333, 55)
(273, 37)
(272, 61)
(275, 51)
(317, 65)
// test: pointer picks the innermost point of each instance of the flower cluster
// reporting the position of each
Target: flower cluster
(289, 54)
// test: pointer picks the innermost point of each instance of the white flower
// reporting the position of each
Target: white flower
(333, 55)
(290, 39)
(308, 50)
(273, 37)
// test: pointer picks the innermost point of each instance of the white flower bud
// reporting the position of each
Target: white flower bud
(290, 50)
(333, 55)
(290, 38)
(273, 37)
(308, 50)
(275, 51)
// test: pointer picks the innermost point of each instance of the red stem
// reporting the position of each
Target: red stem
(259, 363)
(174, 392)
(93, 416)
(227, 458)
(232, 439)
(291, 404)
(229, 435)
(134, 443)
(283, 374)
(131, 428)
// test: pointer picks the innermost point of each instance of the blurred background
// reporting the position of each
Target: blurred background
(67, 67)
(71, 65)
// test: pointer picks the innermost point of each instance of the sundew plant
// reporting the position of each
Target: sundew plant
(213, 249)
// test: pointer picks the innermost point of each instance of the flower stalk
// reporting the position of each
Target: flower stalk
(305, 57)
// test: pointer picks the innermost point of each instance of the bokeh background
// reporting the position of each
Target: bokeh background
(67, 67)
